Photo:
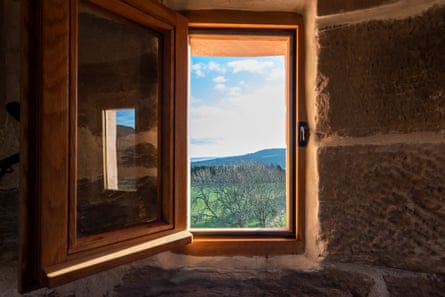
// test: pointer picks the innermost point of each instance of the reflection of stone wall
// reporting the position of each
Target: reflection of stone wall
(118, 69)
(90, 158)
(118, 84)
(101, 211)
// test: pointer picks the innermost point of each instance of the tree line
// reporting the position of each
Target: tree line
(247, 194)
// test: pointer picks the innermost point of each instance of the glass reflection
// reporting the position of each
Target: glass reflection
(119, 153)
(117, 123)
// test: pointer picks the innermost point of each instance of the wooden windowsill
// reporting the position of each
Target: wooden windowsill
(231, 246)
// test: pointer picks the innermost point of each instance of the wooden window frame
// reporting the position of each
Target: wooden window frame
(50, 252)
(216, 242)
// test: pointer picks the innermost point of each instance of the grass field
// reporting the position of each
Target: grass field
(262, 205)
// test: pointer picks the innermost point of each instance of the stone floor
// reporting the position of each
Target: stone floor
(154, 281)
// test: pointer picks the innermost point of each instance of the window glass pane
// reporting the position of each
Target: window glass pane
(117, 135)
(238, 139)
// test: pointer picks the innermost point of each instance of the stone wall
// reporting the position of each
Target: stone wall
(9, 127)
(382, 77)
(333, 7)
(381, 132)
(376, 107)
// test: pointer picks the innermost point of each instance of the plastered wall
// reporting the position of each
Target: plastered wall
(375, 203)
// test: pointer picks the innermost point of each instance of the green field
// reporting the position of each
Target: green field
(248, 195)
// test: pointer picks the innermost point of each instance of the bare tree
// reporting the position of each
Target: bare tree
(237, 195)
(202, 181)
(269, 194)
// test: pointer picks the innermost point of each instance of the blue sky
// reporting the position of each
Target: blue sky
(125, 117)
(237, 105)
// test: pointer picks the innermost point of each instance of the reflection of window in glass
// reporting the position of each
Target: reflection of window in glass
(119, 143)
(118, 79)
(240, 137)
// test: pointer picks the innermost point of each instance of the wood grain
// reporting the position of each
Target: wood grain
(242, 19)
(138, 13)
(71, 270)
(230, 246)
(225, 45)
(180, 124)
(53, 124)
(48, 205)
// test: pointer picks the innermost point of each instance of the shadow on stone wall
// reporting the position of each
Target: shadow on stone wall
(196, 283)
(8, 225)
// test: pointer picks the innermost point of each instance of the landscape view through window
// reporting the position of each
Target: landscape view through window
(238, 142)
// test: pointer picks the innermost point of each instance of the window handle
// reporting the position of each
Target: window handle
(303, 134)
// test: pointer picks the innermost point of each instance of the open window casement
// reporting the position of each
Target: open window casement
(105, 159)
(104, 137)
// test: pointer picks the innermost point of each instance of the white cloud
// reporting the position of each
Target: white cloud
(213, 66)
(276, 74)
(234, 91)
(242, 83)
(194, 101)
(219, 79)
(250, 65)
(220, 87)
(198, 70)
(241, 124)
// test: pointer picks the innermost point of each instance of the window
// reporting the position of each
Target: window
(105, 176)
(237, 204)
(239, 130)
(104, 170)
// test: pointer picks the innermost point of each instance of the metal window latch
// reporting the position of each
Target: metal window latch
(303, 134)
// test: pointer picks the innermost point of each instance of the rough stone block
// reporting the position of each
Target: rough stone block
(383, 76)
(384, 205)
(333, 7)
(154, 281)
(431, 286)
(8, 225)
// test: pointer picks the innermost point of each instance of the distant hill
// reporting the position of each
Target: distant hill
(124, 130)
(276, 156)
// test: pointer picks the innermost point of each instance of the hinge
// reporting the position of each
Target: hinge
(303, 134)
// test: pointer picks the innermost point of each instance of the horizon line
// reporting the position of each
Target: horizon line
(232, 155)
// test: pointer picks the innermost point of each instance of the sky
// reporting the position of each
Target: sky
(125, 117)
(237, 105)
